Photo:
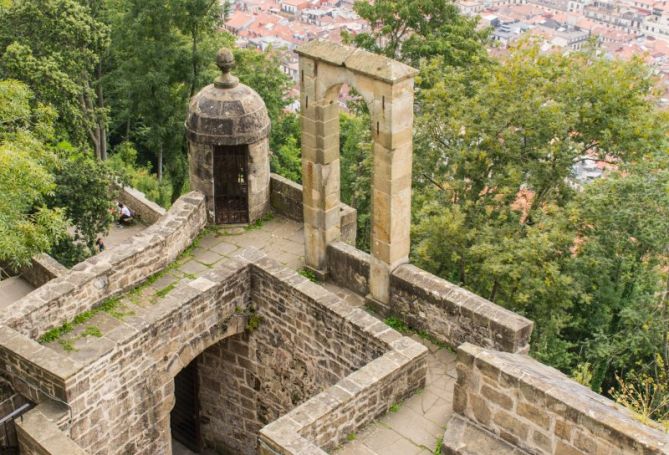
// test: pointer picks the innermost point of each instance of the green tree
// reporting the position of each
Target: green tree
(621, 319)
(85, 190)
(493, 180)
(27, 225)
(54, 46)
(417, 30)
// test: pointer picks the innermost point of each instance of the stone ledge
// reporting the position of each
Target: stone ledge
(39, 435)
(149, 211)
(453, 314)
(357, 60)
(464, 437)
(541, 398)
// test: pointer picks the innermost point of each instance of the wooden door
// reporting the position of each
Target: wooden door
(185, 416)
(231, 184)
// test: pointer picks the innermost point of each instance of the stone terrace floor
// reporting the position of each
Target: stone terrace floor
(413, 427)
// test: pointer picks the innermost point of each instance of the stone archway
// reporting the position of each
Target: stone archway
(387, 87)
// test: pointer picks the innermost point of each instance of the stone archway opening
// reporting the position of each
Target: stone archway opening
(185, 415)
(387, 87)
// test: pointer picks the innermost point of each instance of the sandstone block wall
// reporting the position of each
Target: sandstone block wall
(8, 405)
(149, 212)
(453, 314)
(300, 347)
(286, 199)
(122, 396)
(539, 410)
(109, 273)
(324, 421)
(348, 267)
(40, 431)
(43, 268)
(426, 302)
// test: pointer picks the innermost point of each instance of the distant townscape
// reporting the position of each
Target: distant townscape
(622, 28)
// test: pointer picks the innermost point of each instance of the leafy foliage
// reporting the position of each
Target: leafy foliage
(417, 30)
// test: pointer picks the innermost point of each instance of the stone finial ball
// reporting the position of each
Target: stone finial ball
(225, 60)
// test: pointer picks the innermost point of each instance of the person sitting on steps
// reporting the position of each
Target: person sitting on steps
(125, 214)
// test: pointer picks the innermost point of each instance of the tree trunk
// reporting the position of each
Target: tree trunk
(102, 128)
(160, 163)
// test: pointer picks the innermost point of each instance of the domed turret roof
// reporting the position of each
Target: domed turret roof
(227, 112)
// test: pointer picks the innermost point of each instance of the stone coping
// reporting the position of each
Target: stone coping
(607, 423)
(357, 60)
(39, 433)
(109, 273)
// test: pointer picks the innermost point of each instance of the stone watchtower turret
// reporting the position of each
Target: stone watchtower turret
(228, 129)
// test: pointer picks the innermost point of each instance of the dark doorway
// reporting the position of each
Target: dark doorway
(185, 416)
(231, 184)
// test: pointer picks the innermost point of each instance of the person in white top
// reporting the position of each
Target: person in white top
(125, 213)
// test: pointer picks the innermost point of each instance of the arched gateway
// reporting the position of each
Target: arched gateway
(387, 87)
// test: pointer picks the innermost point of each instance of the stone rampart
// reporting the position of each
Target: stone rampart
(453, 314)
(428, 303)
(149, 212)
(122, 395)
(265, 340)
(42, 269)
(286, 199)
(110, 272)
(509, 403)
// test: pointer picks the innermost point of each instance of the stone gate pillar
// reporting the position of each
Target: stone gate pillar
(320, 167)
(392, 129)
(387, 87)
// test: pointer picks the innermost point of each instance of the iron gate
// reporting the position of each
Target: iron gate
(9, 443)
(185, 416)
(231, 184)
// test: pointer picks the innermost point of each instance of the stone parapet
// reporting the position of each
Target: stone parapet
(39, 434)
(109, 273)
(286, 200)
(453, 314)
(348, 267)
(324, 421)
(538, 410)
(149, 212)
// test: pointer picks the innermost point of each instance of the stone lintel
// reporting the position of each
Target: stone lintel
(357, 60)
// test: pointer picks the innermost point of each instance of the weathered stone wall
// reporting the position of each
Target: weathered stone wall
(258, 180)
(453, 314)
(35, 371)
(300, 347)
(122, 397)
(348, 267)
(9, 404)
(43, 268)
(286, 200)
(426, 302)
(324, 421)
(148, 211)
(111, 272)
(228, 391)
(539, 410)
